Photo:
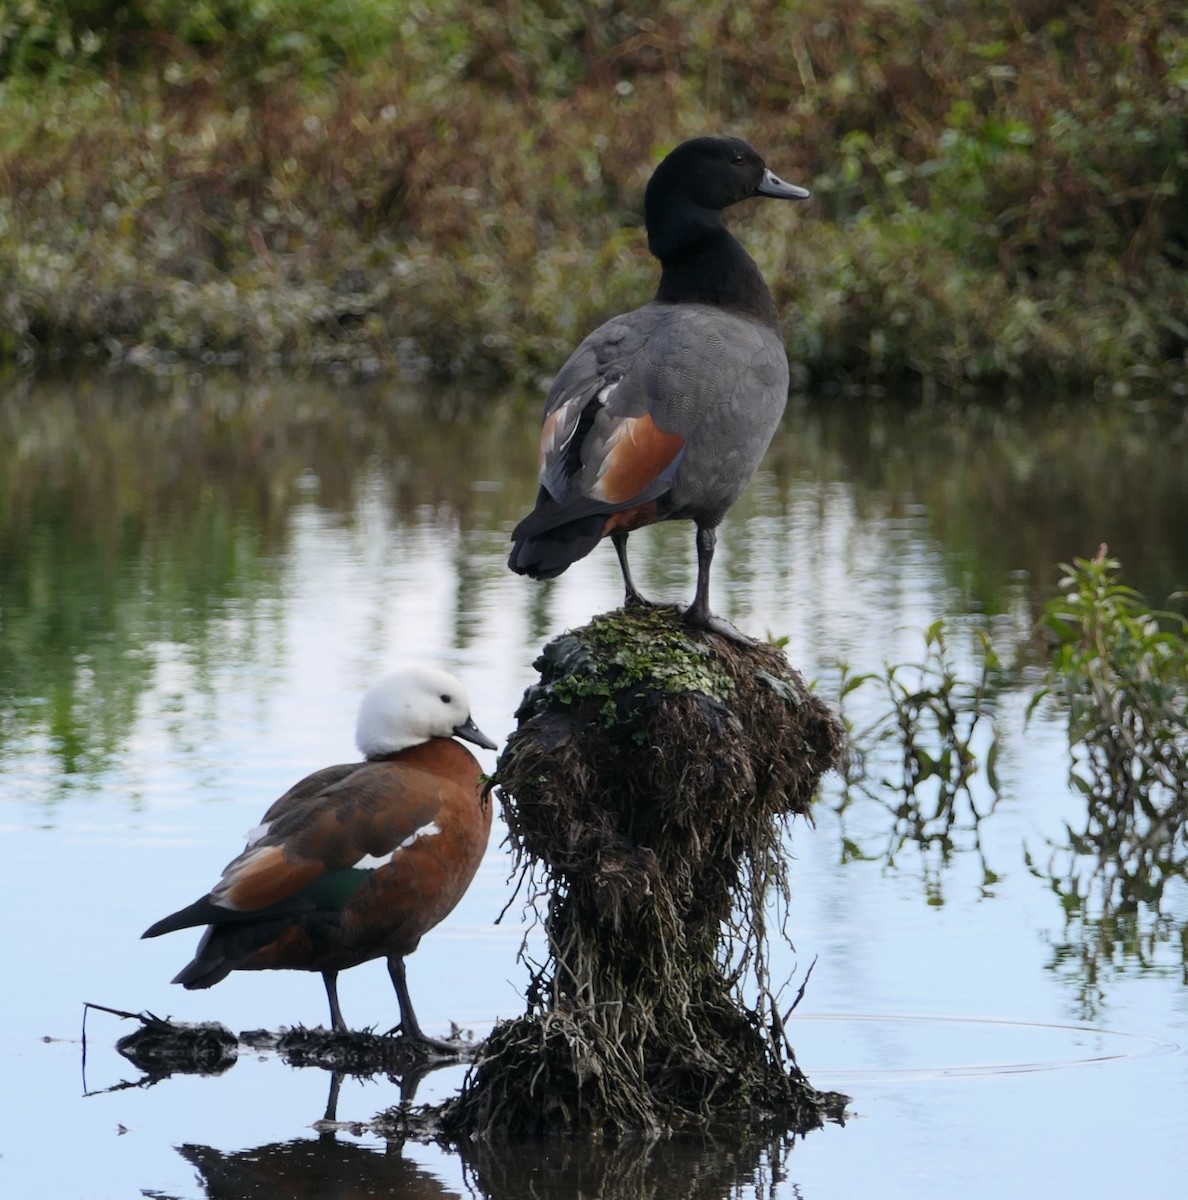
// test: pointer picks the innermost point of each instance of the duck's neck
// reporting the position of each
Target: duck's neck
(713, 268)
(425, 754)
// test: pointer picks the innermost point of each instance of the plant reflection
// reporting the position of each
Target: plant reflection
(923, 756)
(153, 521)
(1117, 881)
(330, 1168)
(922, 772)
(692, 1169)
(1007, 488)
(143, 519)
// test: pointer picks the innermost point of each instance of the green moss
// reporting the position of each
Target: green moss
(620, 657)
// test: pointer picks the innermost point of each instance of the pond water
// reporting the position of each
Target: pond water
(199, 578)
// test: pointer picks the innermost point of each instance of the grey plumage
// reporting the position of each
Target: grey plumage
(665, 412)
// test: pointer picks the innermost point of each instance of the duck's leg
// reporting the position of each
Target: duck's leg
(330, 979)
(619, 539)
(409, 1025)
(698, 613)
(331, 1113)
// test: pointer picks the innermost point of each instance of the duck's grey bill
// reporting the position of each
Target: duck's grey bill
(773, 185)
(470, 732)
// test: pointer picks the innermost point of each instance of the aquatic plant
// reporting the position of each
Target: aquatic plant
(1119, 676)
(1119, 670)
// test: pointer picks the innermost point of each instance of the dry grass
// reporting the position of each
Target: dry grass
(998, 188)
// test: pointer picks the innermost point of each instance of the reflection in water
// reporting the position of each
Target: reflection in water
(1010, 491)
(155, 533)
(923, 756)
(321, 1168)
(693, 1169)
(330, 1168)
(922, 773)
(143, 520)
(162, 1048)
(1120, 880)
(138, 513)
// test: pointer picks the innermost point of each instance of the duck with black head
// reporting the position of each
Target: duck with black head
(664, 413)
(356, 861)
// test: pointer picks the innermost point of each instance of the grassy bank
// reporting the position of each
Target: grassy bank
(999, 188)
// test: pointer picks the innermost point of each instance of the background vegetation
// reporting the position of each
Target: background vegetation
(998, 187)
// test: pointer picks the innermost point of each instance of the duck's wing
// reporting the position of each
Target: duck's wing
(602, 449)
(308, 788)
(318, 849)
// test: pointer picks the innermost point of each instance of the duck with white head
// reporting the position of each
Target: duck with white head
(356, 861)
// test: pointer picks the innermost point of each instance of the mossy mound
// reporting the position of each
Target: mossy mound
(646, 789)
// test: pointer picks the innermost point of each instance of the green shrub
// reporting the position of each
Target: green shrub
(1120, 671)
(40, 37)
(997, 188)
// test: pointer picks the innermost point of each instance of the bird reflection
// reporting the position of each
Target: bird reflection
(320, 1168)
(326, 1167)
(330, 1168)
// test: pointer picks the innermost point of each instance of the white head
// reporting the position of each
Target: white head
(411, 706)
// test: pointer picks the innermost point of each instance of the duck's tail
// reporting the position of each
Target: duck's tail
(543, 550)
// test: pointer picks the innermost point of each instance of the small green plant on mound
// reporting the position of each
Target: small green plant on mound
(646, 789)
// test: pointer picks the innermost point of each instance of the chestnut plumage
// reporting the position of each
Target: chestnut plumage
(356, 861)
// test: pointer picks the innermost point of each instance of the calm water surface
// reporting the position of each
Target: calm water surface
(199, 579)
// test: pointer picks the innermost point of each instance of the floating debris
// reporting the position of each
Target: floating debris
(363, 1053)
(161, 1048)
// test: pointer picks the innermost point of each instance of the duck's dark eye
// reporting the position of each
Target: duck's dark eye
(446, 698)
(738, 159)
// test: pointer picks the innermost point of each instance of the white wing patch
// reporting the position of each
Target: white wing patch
(369, 862)
(256, 832)
(608, 389)
(425, 831)
(560, 426)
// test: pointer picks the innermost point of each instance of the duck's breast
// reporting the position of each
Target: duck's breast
(722, 381)
(429, 870)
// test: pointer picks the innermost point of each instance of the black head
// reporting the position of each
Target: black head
(702, 263)
(714, 173)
